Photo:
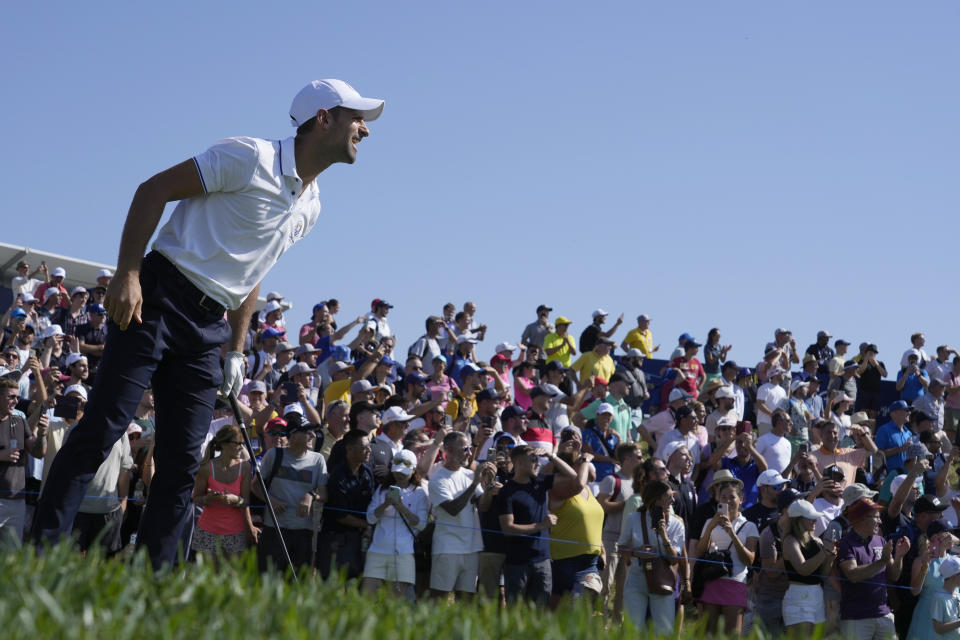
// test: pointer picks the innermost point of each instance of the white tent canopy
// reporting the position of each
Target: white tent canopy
(79, 272)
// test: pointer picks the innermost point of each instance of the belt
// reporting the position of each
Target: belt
(186, 290)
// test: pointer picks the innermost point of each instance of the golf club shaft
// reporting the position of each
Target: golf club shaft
(263, 485)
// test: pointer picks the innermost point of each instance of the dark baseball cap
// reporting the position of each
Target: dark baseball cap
(929, 504)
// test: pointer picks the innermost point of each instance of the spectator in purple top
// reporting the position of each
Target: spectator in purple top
(867, 564)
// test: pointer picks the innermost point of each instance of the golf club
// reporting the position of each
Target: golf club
(263, 485)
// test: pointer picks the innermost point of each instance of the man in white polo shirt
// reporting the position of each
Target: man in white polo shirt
(243, 203)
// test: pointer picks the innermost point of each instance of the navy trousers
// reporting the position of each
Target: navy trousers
(176, 350)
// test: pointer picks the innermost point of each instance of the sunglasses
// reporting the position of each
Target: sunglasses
(402, 461)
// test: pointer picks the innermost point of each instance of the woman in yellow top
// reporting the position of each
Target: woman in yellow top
(576, 544)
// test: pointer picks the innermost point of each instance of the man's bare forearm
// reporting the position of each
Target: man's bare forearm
(238, 319)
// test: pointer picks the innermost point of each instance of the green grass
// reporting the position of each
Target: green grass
(61, 595)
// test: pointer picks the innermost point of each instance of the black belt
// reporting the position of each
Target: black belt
(185, 289)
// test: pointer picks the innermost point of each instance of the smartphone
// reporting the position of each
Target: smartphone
(804, 448)
(289, 392)
(67, 407)
(656, 514)
(394, 492)
(723, 509)
(448, 420)
(744, 427)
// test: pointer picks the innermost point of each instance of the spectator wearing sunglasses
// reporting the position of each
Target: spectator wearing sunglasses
(222, 488)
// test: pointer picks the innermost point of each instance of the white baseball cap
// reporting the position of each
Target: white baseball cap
(950, 566)
(73, 358)
(605, 407)
(60, 271)
(671, 448)
(726, 391)
(600, 312)
(78, 389)
(395, 414)
(52, 330)
(506, 346)
(104, 273)
(327, 94)
(771, 478)
(404, 461)
(296, 407)
(273, 305)
(803, 509)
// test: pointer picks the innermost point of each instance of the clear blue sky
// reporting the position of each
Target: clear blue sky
(745, 165)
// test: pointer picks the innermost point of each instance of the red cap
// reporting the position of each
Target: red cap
(600, 380)
(861, 509)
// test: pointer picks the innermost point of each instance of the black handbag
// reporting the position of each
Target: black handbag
(422, 544)
(713, 565)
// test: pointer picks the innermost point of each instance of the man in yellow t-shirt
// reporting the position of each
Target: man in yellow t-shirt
(640, 338)
(559, 345)
(595, 363)
(339, 387)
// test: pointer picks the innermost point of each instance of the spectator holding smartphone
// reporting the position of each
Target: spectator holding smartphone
(728, 529)
(651, 532)
(397, 512)
(17, 435)
(222, 488)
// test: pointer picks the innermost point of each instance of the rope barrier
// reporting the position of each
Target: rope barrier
(753, 568)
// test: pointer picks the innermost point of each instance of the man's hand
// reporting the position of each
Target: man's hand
(124, 300)
(303, 509)
(547, 522)
(887, 550)
(42, 425)
(11, 456)
(232, 374)
(903, 546)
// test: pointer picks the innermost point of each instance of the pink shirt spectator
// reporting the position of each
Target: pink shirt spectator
(521, 392)
(437, 389)
(952, 400)
(304, 330)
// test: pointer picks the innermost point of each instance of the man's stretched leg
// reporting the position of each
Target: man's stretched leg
(129, 360)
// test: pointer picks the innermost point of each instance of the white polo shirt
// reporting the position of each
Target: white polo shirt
(226, 240)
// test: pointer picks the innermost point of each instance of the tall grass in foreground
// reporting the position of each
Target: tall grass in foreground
(61, 595)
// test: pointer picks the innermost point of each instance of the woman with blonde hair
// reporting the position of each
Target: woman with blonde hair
(806, 561)
(222, 488)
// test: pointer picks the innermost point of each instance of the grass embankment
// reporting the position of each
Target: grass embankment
(61, 595)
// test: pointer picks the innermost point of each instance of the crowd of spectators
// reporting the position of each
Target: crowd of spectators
(787, 494)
